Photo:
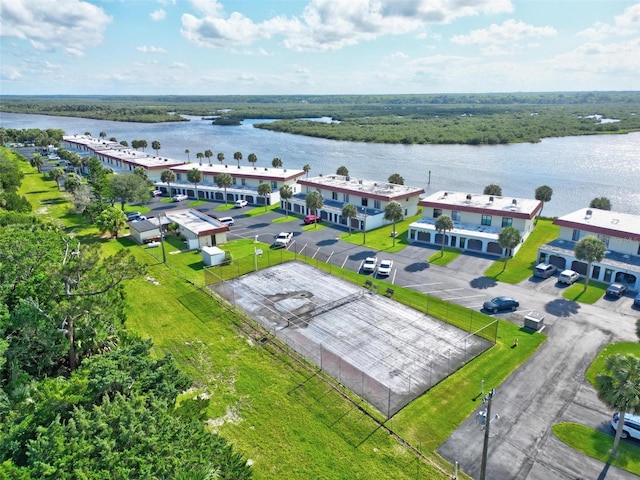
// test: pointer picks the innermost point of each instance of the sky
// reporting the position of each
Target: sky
(307, 47)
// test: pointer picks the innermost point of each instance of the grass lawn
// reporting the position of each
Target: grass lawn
(576, 292)
(597, 365)
(380, 239)
(521, 266)
(445, 257)
(598, 445)
(286, 219)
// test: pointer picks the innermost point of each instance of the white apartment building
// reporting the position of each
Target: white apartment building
(619, 231)
(477, 219)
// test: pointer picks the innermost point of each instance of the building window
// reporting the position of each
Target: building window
(437, 212)
(507, 222)
(576, 235)
(234, 180)
(605, 239)
(486, 220)
(274, 186)
(334, 195)
(455, 215)
(365, 202)
(244, 181)
(345, 197)
(376, 204)
(179, 177)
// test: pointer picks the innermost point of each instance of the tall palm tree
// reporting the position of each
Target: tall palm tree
(252, 159)
(195, 176)
(508, 238)
(167, 176)
(314, 202)
(276, 162)
(493, 189)
(619, 388)
(589, 249)
(285, 194)
(393, 213)
(543, 194)
(264, 190)
(224, 180)
(221, 157)
(237, 157)
(307, 169)
(396, 178)
(208, 154)
(156, 146)
(187, 151)
(200, 156)
(37, 161)
(57, 174)
(349, 212)
(344, 171)
(443, 225)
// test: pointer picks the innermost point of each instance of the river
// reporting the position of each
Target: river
(578, 169)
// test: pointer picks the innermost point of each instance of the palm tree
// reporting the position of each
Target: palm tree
(276, 162)
(393, 213)
(543, 194)
(264, 190)
(349, 212)
(187, 151)
(589, 249)
(57, 174)
(493, 189)
(396, 179)
(508, 238)
(285, 194)
(314, 201)
(208, 154)
(601, 203)
(37, 161)
(156, 146)
(167, 176)
(195, 176)
(221, 157)
(443, 225)
(103, 134)
(342, 171)
(307, 169)
(237, 157)
(111, 220)
(200, 156)
(252, 159)
(618, 387)
(224, 180)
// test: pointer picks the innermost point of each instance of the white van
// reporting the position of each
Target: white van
(631, 427)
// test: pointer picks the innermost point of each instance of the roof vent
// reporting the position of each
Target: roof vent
(265, 169)
(490, 199)
(226, 166)
(468, 198)
(589, 213)
(347, 178)
(514, 202)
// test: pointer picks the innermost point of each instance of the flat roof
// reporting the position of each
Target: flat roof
(362, 187)
(264, 173)
(606, 222)
(480, 203)
(196, 222)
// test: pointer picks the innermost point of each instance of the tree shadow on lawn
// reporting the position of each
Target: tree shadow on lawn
(483, 283)
(561, 307)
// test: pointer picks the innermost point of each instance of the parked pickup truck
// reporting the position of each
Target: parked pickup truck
(283, 240)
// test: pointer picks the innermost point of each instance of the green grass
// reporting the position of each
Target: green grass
(598, 445)
(576, 292)
(260, 210)
(597, 366)
(285, 219)
(444, 258)
(313, 226)
(381, 239)
(521, 266)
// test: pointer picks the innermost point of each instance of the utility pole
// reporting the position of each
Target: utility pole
(164, 255)
(487, 423)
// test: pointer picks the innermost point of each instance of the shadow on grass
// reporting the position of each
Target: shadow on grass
(196, 266)
(561, 307)
(53, 201)
(483, 283)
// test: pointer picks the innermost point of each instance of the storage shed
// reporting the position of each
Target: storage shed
(212, 256)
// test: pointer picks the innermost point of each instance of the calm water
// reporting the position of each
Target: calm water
(577, 168)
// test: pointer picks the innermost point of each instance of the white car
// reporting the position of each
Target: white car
(569, 277)
(283, 239)
(385, 268)
(226, 221)
(156, 193)
(180, 197)
(369, 264)
(240, 203)
(631, 427)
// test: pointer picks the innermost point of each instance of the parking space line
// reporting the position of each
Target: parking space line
(422, 284)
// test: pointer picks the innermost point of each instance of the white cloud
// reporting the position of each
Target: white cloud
(329, 24)
(630, 19)
(158, 15)
(70, 25)
(509, 32)
(151, 49)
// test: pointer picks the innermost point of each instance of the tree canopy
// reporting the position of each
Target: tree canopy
(601, 203)
(589, 249)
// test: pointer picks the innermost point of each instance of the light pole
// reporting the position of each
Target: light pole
(164, 255)
(364, 227)
(487, 423)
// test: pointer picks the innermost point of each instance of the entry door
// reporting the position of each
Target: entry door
(607, 275)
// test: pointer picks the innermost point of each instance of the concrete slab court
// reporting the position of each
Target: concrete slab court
(384, 351)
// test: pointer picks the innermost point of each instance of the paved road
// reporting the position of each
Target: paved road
(548, 389)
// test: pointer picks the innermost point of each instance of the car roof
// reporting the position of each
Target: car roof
(568, 272)
(632, 417)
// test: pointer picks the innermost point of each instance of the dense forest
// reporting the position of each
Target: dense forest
(438, 118)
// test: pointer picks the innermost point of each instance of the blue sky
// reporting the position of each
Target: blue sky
(219, 47)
